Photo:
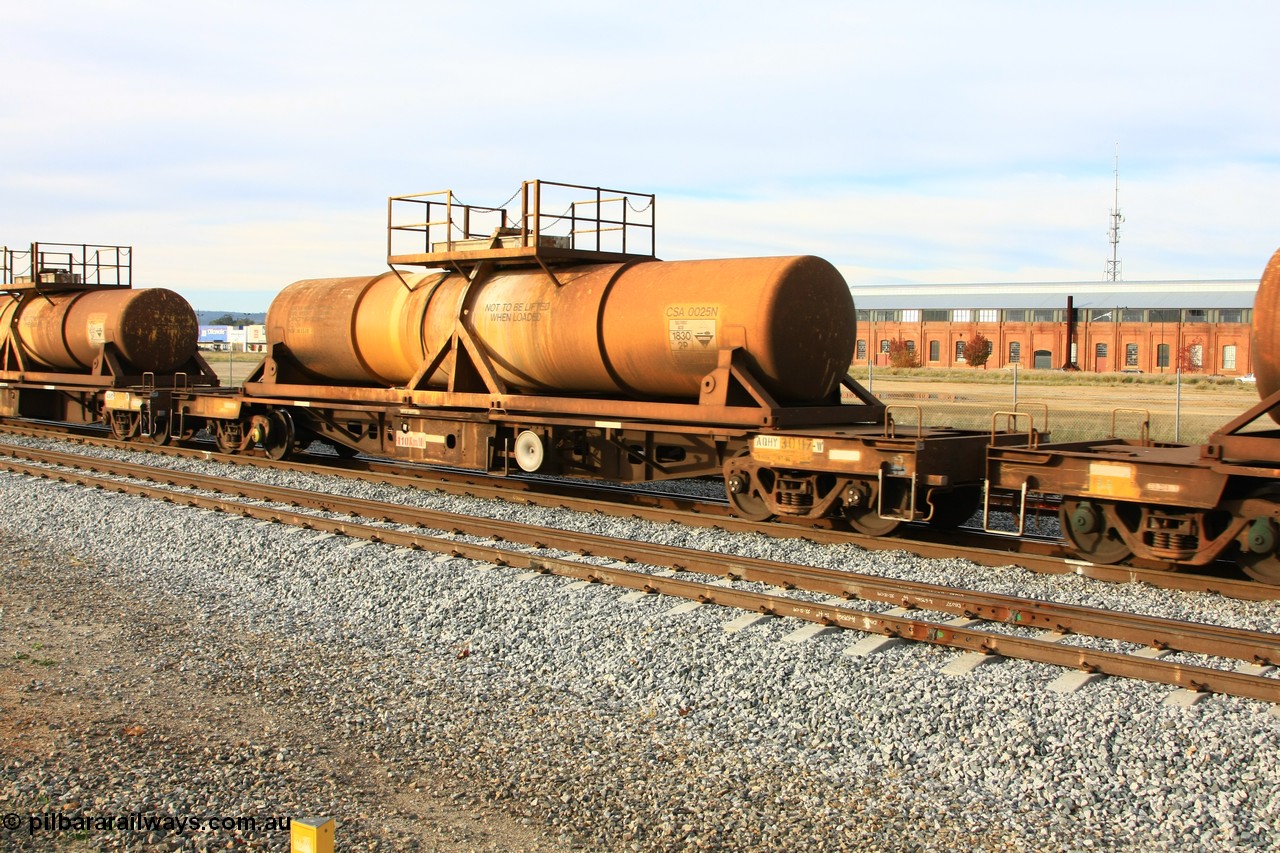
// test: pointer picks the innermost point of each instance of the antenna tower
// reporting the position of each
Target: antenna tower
(1113, 234)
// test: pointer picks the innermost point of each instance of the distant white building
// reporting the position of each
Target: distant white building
(235, 338)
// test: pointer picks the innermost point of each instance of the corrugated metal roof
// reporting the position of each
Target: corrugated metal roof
(1220, 293)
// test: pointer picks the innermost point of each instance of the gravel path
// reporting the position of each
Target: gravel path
(165, 661)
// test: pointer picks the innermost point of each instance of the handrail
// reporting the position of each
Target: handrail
(552, 215)
(54, 266)
(1044, 410)
(1146, 422)
(1011, 425)
(891, 426)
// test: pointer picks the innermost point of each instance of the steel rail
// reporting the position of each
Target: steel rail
(1154, 632)
(1038, 556)
(1188, 676)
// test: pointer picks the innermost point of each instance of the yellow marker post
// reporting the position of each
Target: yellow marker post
(311, 835)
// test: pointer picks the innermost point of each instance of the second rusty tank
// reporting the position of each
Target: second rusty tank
(1264, 341)
(643, 330)
(153, 329)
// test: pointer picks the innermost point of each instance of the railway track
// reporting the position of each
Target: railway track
(1035, 554)
(1014, 627)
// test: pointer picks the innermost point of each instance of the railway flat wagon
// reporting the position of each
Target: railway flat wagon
(1169, 505)
(550, 339)
(79, 344)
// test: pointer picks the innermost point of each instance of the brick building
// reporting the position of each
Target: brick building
(1150, 326)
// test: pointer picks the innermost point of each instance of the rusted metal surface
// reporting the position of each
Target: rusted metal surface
(1171, 505)
(691, 415)
(1265, 336)
(563, 302)
(79, 345)
(642, 330)
(151, 329)
(1123, 499)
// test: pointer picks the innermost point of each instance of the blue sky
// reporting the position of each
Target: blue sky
(242, 146)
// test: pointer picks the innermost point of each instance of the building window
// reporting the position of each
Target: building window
(882, 316)
(962, 315)
(1100, 351)
(1197, 315)
(1162, 355)
(1015, 351)
(911, 347)
(1074, 356)
(863, 316)
(911, 315)
(1015, 316)
(1229, 357)
(1043, 315)
(1162, 315)
(959, 350)
(1098, 315)
(1197, 356)
(1133, 315)
(884, 345)
(1230, 315)
(989, 315)
(1130, 355)
(862, 350)
(935, 350)
(936, 315)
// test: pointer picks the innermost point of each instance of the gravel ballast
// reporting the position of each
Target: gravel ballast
(428, 703)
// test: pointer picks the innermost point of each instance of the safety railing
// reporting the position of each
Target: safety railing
(54, 266)
(551, 215)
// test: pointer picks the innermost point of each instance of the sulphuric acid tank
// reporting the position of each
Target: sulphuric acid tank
(1264, 341)
(152, 328)
(649, 329)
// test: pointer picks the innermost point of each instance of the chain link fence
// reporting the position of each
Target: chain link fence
(1070, 406)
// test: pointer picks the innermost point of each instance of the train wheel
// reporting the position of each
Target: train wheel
(1088, 526)
(954, 508)
(862, 511)
(280, 437)
(1262, 569)
(869, 523)
(744, 488)
(1258, 557)
(750, 507)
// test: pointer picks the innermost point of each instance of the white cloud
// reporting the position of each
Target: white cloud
(245, 145)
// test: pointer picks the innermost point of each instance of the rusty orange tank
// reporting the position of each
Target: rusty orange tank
(1265, 335)
(152, 328)
(649, 329)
